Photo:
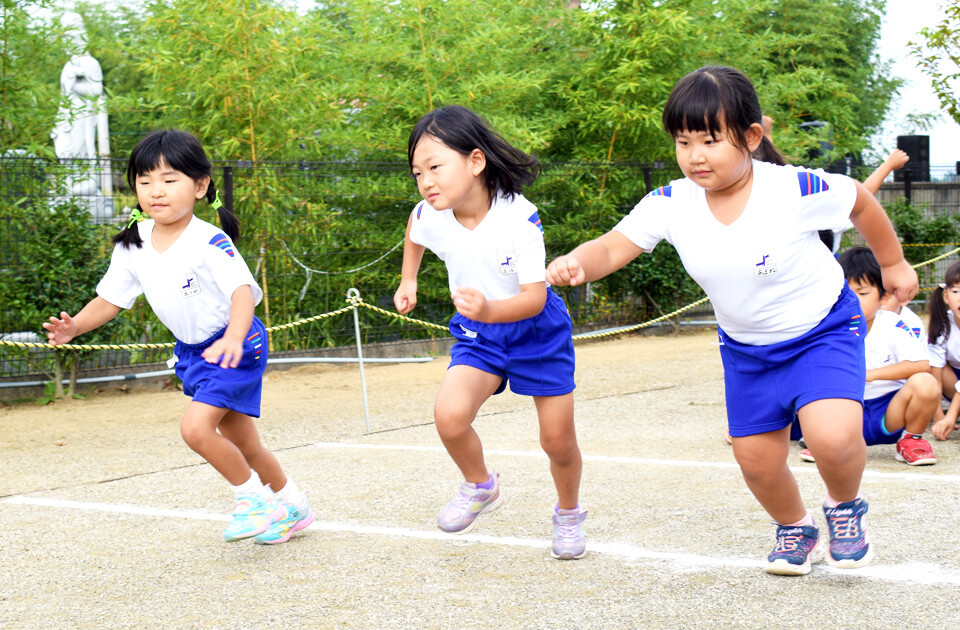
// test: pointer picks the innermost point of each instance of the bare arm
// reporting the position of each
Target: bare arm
(406, 296)
(593, 260)
(228, 350)
(894, 161)
(898, 371)
(96, 313)
(872, 222)
(529, 302)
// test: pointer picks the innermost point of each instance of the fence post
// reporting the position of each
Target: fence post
(228, 187)
(907, 188)
(353, 294)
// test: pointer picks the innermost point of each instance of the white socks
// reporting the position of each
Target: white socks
(252, 486)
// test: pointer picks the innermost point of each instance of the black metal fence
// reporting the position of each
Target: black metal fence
(310, 231)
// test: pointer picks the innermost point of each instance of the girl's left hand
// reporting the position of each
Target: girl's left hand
(901, 280)
(470, 303)
(226, 352)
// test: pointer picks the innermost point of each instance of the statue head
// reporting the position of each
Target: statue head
(75, 32)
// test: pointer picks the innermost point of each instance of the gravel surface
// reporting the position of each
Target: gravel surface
(107, 520)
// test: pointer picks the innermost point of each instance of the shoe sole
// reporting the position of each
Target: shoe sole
(567, 557)
(808, 458)
(276, 516)
(848, 563)
(487, 508)
(929, 461)
(782, 567)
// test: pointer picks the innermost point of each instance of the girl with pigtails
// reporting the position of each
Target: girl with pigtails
(200, 288)
(944, 339)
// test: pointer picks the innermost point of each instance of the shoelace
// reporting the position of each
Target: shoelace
(787, 543)
(568, 530)
(845, 527)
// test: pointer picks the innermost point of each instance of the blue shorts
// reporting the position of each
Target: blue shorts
(535, 354)
(875, 420)
(766, 385)
(237, 389)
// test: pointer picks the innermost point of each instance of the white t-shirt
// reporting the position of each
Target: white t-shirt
(946, 351)
(504, 251)
(889, 342)
(915, 324)
(768, 275)
(189, 286)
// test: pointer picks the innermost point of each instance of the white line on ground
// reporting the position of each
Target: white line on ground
(913, 475)
(916, 573)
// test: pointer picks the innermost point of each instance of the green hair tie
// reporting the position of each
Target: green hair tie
(217, 204)
(136, 217)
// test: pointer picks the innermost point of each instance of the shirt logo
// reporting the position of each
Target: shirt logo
(811, 184)
(764, 264)
(507, 262)
(190, 286)
(221, 241)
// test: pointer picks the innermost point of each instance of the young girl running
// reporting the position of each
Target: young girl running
(509, 325)
(201, 289)
(791, 332)
(944, 338)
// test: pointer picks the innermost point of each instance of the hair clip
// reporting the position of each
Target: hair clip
(943, 286)
(216, 204)
(136, 217)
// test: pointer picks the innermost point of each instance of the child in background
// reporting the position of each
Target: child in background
(791, 331)
(944, 339)
(509, 325)
(201, 289)
(901, 394)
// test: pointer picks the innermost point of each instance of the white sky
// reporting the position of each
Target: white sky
(903, 22)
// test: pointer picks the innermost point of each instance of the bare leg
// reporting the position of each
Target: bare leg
(463, 390)
(914, 405)
(833, 430)
(242, 431)
(763, 463)
(558, 437)
(199, 430)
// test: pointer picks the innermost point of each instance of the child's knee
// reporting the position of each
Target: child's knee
(924, 386)
(451, 422)
(193, 433)
(560, 447)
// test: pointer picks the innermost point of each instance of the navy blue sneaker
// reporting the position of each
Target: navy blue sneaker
(849, 544)
(797, 548)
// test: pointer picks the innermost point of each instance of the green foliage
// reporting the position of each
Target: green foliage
(31, 56)
(938, 56)
(52, 262)
(916, 224)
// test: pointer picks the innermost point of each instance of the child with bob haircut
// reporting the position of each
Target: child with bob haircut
(509, 325)
(791, 331)
(901, 394)
(199, 286)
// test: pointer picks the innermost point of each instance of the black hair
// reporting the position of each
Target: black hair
(712, 97)
(508, 169)
(939, 314)
(182, 152)
(860, 265)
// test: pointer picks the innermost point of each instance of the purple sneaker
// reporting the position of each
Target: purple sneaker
(569, 543)
(797, 548)
(849, 544)
(460, 514)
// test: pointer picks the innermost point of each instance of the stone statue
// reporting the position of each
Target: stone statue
(81, 136)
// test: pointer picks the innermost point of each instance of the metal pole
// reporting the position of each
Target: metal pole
(351, 295)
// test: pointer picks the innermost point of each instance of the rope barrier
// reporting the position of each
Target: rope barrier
(355, 301)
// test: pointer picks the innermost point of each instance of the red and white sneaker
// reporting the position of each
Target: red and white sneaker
(915, 451)
(805, 454)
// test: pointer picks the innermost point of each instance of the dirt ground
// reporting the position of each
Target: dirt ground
(107, 520)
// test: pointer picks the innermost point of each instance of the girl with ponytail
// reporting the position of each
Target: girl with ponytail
(201, 289)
